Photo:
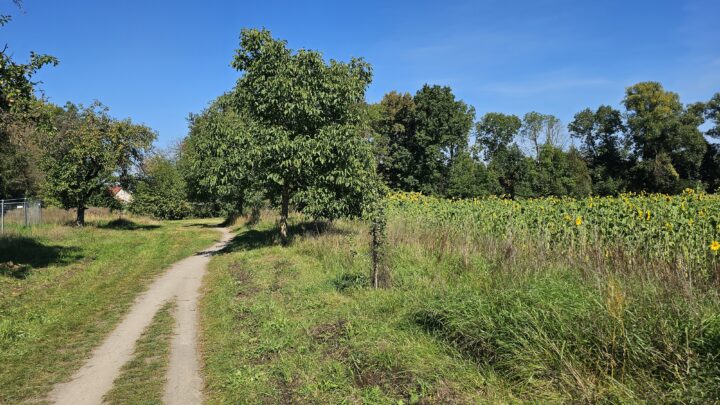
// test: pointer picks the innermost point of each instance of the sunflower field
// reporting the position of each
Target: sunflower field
(680, 229)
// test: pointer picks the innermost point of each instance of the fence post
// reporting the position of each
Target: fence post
(25, 208)
(2, 216)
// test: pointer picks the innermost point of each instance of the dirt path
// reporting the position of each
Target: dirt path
(184, 386)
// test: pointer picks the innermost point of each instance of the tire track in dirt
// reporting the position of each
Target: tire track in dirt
(180, 282)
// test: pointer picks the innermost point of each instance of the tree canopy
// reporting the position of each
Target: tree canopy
(85, 149)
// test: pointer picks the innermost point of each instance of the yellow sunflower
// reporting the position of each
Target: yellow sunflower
(714, 246)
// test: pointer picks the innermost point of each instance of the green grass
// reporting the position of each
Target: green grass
(295, 325)
(142, 379)
(67, 288)
(298, 324)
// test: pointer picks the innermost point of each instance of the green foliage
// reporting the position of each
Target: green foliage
(16, 85)
(665, 136)
(217, 158)
(495, 133)
(673, 229)
(84, 151)
(443, 126)
(306, 116)
(19, 118)
(161, 190)
(531, 130)
(603, 147)
(655, 146)
(394, 140)
(418, 138)
(560, 173)
(712, 113)
(514, 171)
(469, 178)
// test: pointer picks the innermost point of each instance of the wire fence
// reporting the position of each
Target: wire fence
(20, 212)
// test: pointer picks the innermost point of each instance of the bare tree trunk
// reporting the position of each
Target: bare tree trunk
(284, 207)
(80, 219)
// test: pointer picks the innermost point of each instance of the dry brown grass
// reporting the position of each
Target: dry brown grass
(58, 216)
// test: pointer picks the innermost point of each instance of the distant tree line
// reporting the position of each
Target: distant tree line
(431, 143)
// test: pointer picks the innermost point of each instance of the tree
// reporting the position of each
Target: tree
(515, 172)
(665, 136)
(532, 128)
(217, 158)
(21, 140)
(710, 168)
(495, 132)
(560, 173)
(161, 190)
(443, 127)
(468, 178)
(712, 113)
(306, 116)
(601, 133)
(131, 143)
(19, 112)
(394, 139)
(16, 85)
(553, 131)
(84, 152)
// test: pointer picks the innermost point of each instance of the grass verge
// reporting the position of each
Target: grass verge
(62, 289)
(298, 324)
(142, 379)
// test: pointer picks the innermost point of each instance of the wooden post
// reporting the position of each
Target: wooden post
(2, 216)
(25, 208)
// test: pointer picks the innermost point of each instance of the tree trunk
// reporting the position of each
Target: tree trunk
(284, 207)
(80, 220)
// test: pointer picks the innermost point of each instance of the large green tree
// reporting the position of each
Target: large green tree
(665, 135)
(603, 147)
(85, 152)
(417, 138)
(396, 145)
(219, 156)
(442, 126)
(495, 132)
(307, 118)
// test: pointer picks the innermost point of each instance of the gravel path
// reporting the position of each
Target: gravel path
(184, 383)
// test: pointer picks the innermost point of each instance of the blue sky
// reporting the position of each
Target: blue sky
(157, 61)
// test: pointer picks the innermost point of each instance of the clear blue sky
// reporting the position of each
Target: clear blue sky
(157, 61)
